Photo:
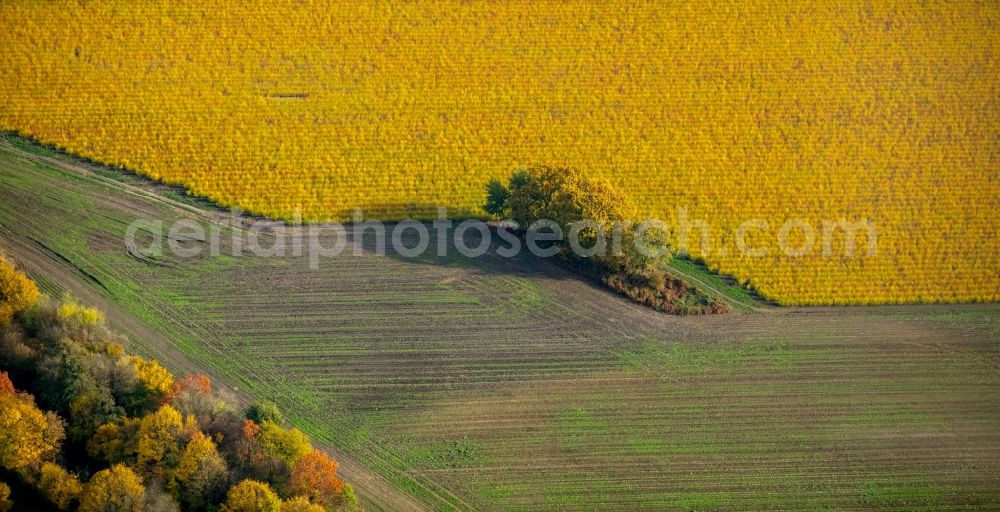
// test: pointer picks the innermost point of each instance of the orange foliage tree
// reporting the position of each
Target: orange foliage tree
(6, 386)
(192, 383)
(315, 476)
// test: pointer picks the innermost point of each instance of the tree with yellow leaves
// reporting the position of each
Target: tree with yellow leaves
(600, 234)
(114, 443)
(17, 292)
(588, 209)
(251, 496)
(59, 486)
(158, 441)
(117, 489)
(71, 311)
(67, 319)
(28, 436)
(301, 504)
(5, 503)
(287, 445)
(200, 477)
(156, 383)
(566, 195)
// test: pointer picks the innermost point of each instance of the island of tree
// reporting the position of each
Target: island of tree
(613, 245)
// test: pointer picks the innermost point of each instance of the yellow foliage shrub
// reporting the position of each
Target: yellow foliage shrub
(72, 312)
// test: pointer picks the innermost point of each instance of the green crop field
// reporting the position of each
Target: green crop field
(508, 384)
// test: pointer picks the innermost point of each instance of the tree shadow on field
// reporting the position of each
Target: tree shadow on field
(402, 212)
(124, 175)
(484, 262)
(474, 251)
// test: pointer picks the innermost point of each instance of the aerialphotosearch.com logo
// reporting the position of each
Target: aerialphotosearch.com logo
(241, 236)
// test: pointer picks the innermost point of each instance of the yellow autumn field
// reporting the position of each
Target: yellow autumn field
(808, 112)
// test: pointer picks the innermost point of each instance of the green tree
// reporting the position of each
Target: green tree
(263, 411)
(349, 497)
(590, 209)
(75, 381)
(648, 247)
(566, 195)
(91, 407)
(287, 445)
(496, 198)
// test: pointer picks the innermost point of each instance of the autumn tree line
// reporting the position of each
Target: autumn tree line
(86, 426)
(614, 245)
